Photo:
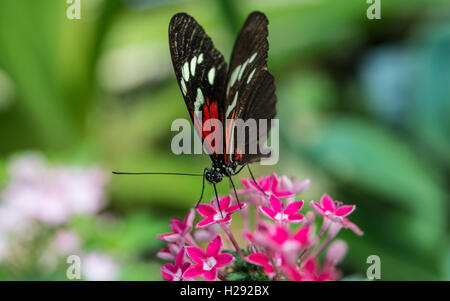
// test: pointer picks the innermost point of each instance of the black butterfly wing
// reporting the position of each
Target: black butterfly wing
(201, 73)
(250, 92)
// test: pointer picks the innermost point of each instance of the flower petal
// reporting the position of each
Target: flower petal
(206, 210)
(295, 218)
(205, 222)
(214, 247)
(293, 207)
(275, 203)
(283, 193)
(235, 207)
(169, 237)
(224, 259)
(317, 208)
(224, 202)
(267, 212)
(167, 272)
(195, 253)
(258, 258)
(345, 210)
(210, 275)
(180, 258)
(189, 220)
(177, 225)
(193, 271)
(327, 203)
(303, 235)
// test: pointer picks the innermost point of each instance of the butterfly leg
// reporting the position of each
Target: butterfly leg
(217, 199)
(254, 181)
(235, 193)
(203, 188)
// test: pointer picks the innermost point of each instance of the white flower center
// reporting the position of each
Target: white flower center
(278, 262)
(209, 263)
(218, 216)
(281, 217)
(177, 275)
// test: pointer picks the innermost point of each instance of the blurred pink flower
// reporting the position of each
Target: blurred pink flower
(296, 188)
(269, 184)
(66, 242)
(332, 210)
(174, 272)
(346, 223)
(279, 213)
(99, 267)
(336, 252)
(279, 239)
(206, 264)
(279, 186)
(53, 194)
(311, 272)
(213, 214)
(207, 233)
(180, 229)
(169, 253)
(263, 260)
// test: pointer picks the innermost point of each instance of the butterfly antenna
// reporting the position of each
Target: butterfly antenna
(203, 188)
(253, 178)
(235, 193)
(157, 173)
(217, 199)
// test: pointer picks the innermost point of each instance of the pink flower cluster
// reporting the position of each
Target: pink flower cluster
(50, 194)
(279, 239)
(37, 204)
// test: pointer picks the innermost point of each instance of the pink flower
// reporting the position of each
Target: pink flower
(207, 233)
(279, 239)
(66, 242)
(346, 223)
(269, 184)
(288, 184)
(312, 272)
(212, 213)
(278, 213)
(180, 229)
(52, 195)
(174, 272)
(263, 260)
(332, 210)
(169, 253)
(207, 263)
(99, 267)
(336, 252)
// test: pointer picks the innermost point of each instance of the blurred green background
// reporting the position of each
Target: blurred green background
(364, 109)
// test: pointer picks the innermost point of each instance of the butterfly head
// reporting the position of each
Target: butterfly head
(213, 175)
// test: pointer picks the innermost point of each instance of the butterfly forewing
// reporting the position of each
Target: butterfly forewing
(250, 91)
(200, 70)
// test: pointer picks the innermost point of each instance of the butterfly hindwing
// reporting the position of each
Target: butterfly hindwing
(250, 91)
(200, 69)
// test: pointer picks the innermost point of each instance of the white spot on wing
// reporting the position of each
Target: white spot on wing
(211, 75)
(185, 71)
(233, 104)
(243, 69)
(193, 65)
(183, 87)
(234, 75)
(200, 58)
(199, 100)
(253, 57)
(251, 75)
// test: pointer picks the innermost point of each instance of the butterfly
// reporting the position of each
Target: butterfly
(245, 90)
